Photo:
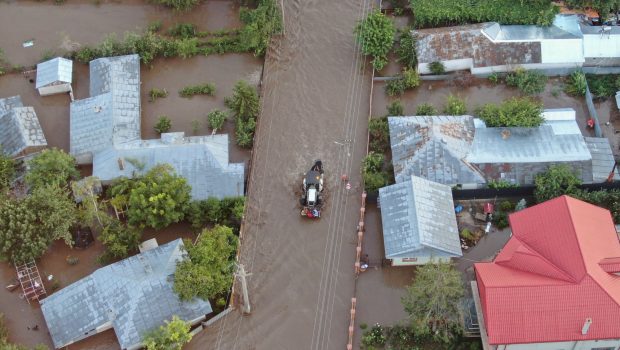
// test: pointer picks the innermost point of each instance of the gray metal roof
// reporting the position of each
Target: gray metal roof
(564, 27)
(19, 127)
(202, 160)
(133, 296)
(528, 145)
(433, 148)
(418, 220)
(111, 115)
(55, 70)
(602, 158)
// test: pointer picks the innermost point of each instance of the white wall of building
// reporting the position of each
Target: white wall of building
(420, 260)
(597, 45)
(562, 51)
(54, 89)
(572, 345)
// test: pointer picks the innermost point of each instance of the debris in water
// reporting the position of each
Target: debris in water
(28, 43)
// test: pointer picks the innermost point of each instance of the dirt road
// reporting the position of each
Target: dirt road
(315, 105)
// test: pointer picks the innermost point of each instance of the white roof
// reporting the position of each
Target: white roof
(55, 70)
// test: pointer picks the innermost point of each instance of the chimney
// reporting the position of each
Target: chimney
(121, 164)
(586, 326)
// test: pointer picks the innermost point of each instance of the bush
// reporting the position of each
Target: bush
(506, 206)
(379, 135)
(259, 25)
(244, 102)
(227, 211)
(529, 82)
(576, 84)
(172, 336)
(216, 119)
(426, 109)
(163, 124)
(455, 106)
(501, 184)
(411, 78)
(375, 34)
(395, 87)
(439, 13)
(156, 93)
(374, 337)
(395, 108)
(556, 181)
(202, 89)
(437, 68)
(154, 26)
(182, 30)
(179, 5)
(466, 234)
(602, 86)
(244, 132)
(7, 171)
(515, 112)
(372, 172)
(500, 219)
(495, 78)
(406, 49)
(119, 240)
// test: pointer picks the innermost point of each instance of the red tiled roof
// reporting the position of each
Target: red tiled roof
(554, 273)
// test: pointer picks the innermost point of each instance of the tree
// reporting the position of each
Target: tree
(119, 240)
(158, 199)
(259, 25)
(515, 112)
(87, 191)
(208, 271)
(244, 102)
(172, 336)
(375, 34)
(51, 167)
(556, 181)
(216, 119)
(29, 225)
(433, 301)
(7, 171)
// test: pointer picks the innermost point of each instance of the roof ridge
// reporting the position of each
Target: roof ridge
(572, 224)
(535, 253)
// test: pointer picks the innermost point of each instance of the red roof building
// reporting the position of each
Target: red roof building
(557, 280)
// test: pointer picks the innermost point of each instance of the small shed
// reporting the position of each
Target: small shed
(54, 76)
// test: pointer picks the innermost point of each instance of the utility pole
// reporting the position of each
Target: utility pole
(283, 22)
(246, 309)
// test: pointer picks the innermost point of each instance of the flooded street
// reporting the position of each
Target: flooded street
(315, 105)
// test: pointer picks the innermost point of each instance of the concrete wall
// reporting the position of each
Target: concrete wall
(597, 45)
(562, 51)
(551, 67)
(451, 65)
(54, 89)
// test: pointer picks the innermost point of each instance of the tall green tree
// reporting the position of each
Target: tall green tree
(375, 34)
(433, 301)
(556, 181)
(51, 167)
(119, 240)
(245, 106)
(29, 225)
(158, 199)
(87, 190)
(172, 336)
(208, 271)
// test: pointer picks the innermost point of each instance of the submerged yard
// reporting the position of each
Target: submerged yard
(62, 28)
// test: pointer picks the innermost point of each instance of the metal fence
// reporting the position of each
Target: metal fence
(592, 111)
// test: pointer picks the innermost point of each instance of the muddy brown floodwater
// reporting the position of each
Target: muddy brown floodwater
(61, 28)
(314, 105)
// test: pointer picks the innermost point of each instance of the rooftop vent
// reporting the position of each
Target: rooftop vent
(505, 134)
(586, 326)
(98, 109)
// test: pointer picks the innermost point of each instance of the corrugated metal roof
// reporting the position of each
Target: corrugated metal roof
(562, 28)
(134, 295)
(554, 288)
(602, 158)
(202, 160)
(418, 220)
(111, 115)
(55, 70)
(433, 147)
(527, 145)
(19, 127)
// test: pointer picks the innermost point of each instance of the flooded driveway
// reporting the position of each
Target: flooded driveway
(315, 105)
